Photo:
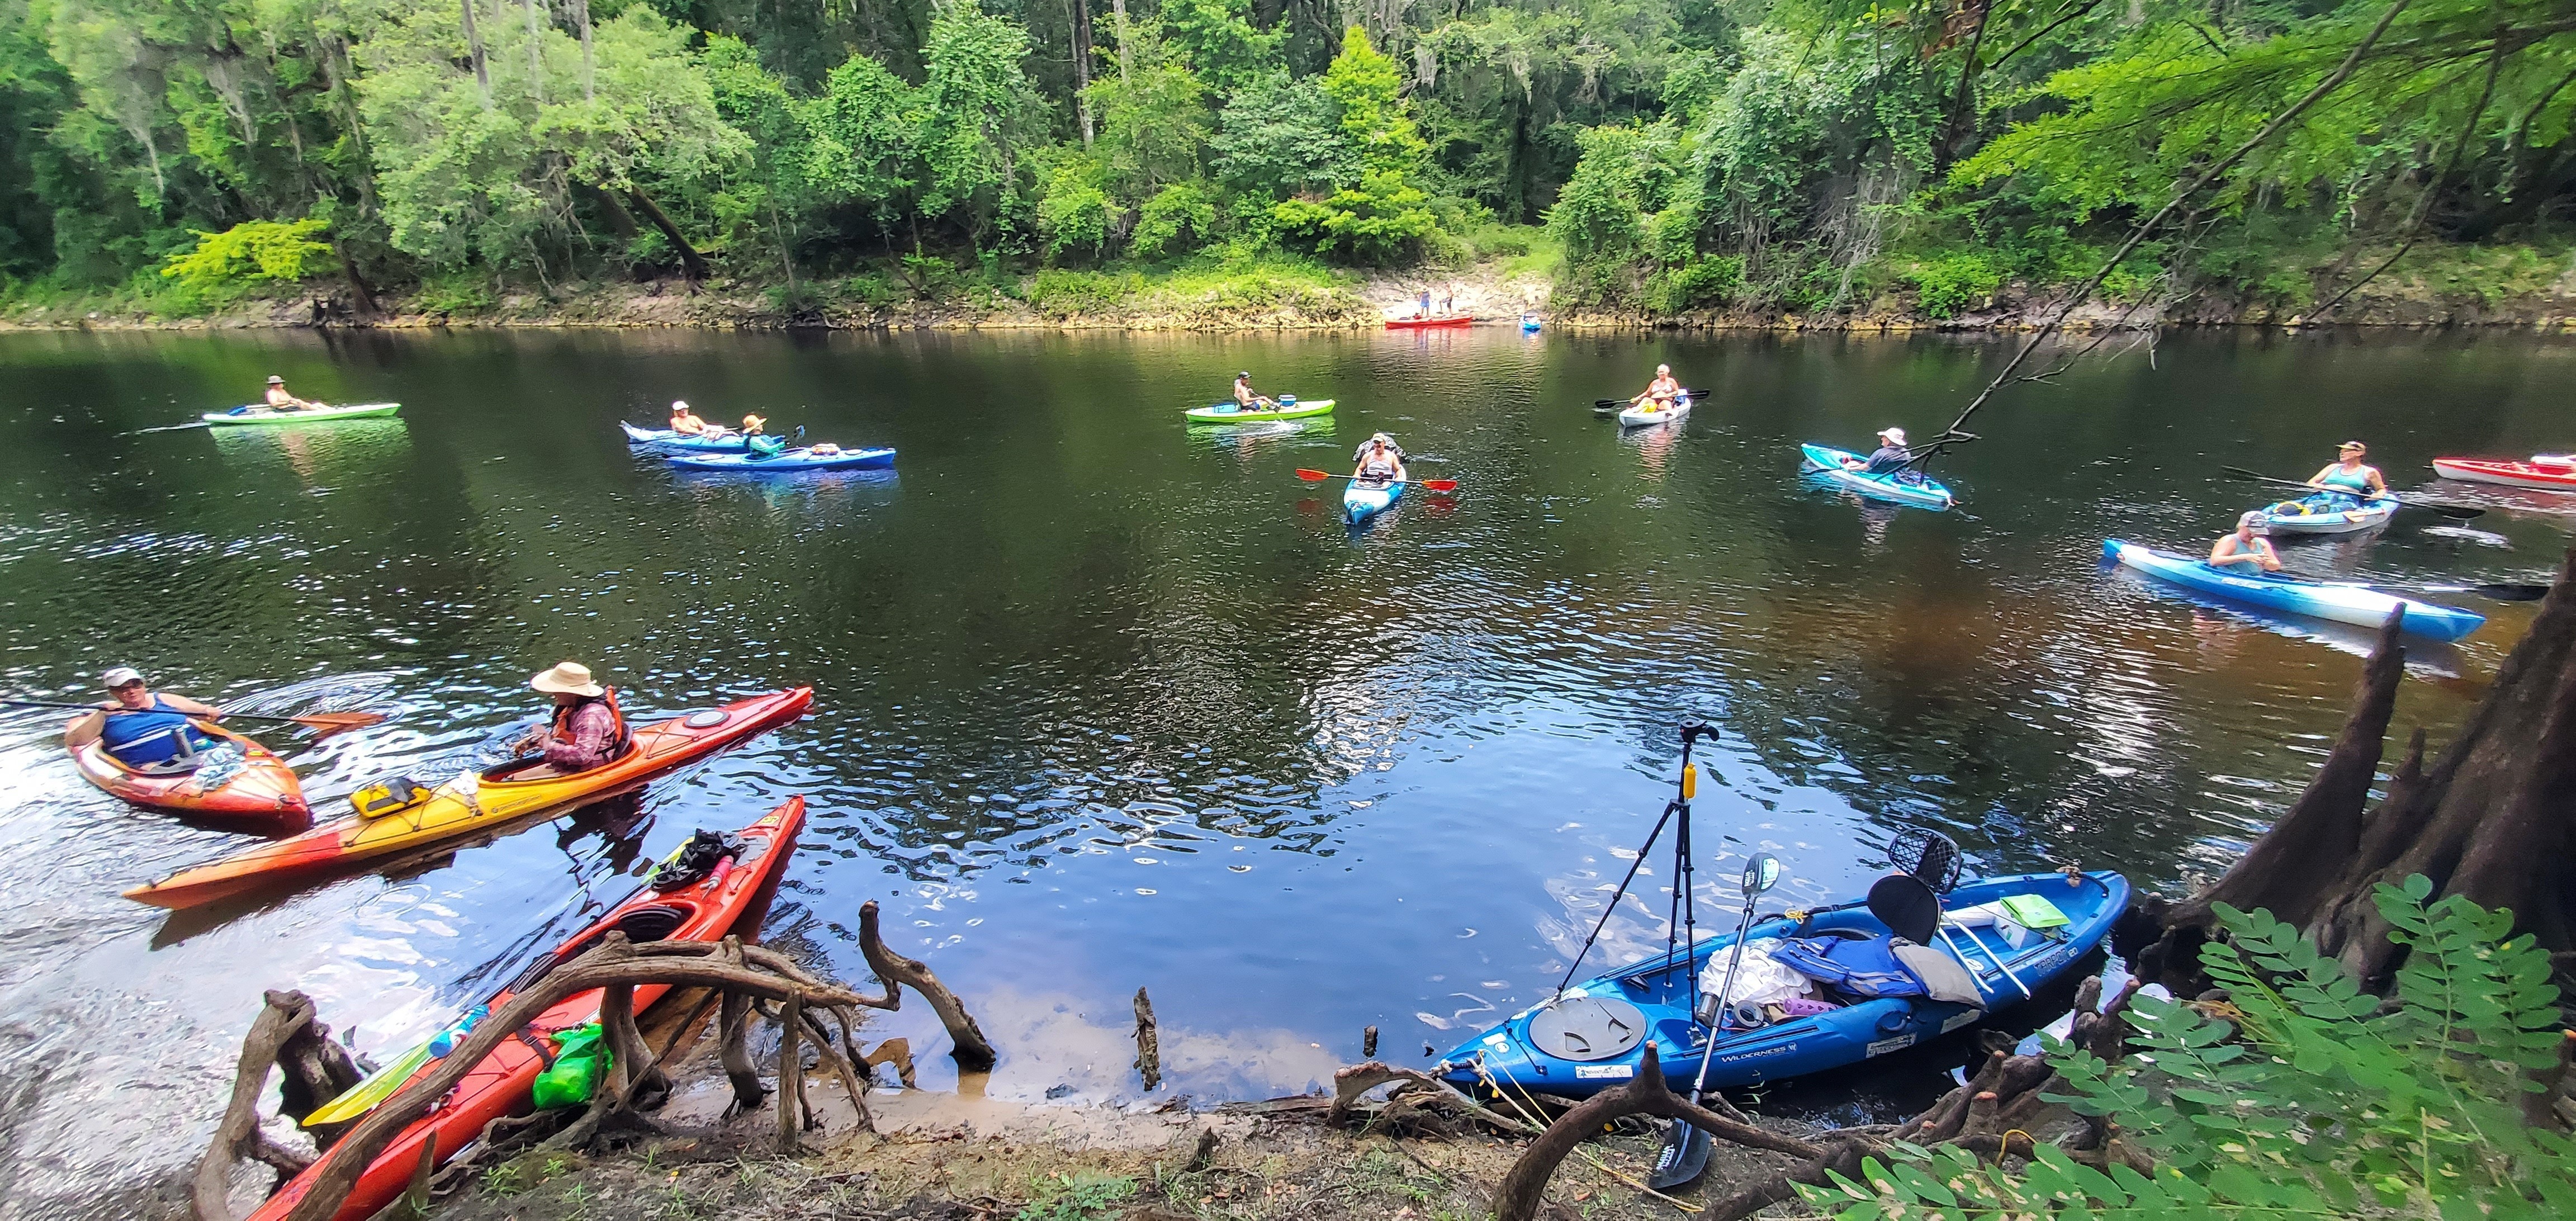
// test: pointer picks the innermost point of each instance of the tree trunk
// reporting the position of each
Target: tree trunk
(1961, 125)
(691, 261)
(581, 25)
(1082, 65)
(474, 51)
(536, 48)
(1118, 9)
(357, 284)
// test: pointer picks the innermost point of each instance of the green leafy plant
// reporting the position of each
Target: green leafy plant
(1954, 282)
(2320, 1101)
(1084, 1196)
(251, 252)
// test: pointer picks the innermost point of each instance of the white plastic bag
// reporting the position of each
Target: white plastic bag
(1759, 979)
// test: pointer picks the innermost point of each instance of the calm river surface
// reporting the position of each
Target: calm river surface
(1104, 701)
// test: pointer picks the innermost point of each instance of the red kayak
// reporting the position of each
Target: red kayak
(1417, 324)
(2551, 471)
(730, 900)
(259, 795)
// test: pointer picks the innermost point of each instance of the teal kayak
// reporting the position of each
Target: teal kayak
(2341, 603)
(1842, 469)
(257, 414)
(1362, 503)
(665, 438)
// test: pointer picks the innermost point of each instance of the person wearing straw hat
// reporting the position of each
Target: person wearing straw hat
(141, 728)
(1891, 454)
(280, 400)
(2245, 545)
(587, 731)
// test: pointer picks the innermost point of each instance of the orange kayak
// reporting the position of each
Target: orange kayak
(731, 900)
(260, 796)
(470, 803)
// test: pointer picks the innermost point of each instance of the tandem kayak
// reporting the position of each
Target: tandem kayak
(2552, 472)
(667, 439)
(2342, 603)
(1633, 416)
(1594, 1035)
(258, 414)
(1228, 413)
(786, 461)
(472, 802)
(1362, 503)
(1842, 469)
(729, 900)
(2328, 513)
(245, 788)
(1435, 320)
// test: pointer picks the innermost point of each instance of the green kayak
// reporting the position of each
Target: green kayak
(1228, 413)
(262, 415)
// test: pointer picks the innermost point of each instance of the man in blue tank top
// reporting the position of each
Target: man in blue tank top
(140, 729)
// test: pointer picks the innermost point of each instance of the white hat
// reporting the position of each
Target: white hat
(1896, 435)
(118, 676)
(567, 678)
(679, 405)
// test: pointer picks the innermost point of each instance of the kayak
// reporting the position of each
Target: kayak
(2327, 513)
(667, 439)
(799, 459)
(472, 802)
(1228, 413)
(2550, 471)
(258, 414)
(1593, 1035)
(731, 900)
(1360, 504)
(245, 789)
(2342, 603)
(1416, 324)
(1633, 416)
(1841, 468)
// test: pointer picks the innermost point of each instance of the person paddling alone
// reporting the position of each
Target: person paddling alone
(144, 730)
(1246, 399)
(587, 730)
(1379, 463)
(2349, 475)
(686, 422)
(2244, 547)
(1660, 392)
(1891, 455)
(280, 400)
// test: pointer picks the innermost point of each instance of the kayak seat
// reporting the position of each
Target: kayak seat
(640, 925)
(535, 767)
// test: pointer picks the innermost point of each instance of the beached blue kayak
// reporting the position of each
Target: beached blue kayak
(2354, 604)
(790, 460)
(1841, 468)
(1361, 503)
(667, 439)
(1595, 1034)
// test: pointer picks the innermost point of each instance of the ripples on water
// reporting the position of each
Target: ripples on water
(1106, 701)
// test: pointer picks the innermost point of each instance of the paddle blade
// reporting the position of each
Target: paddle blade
(1682, 1159)
(378, 1086)
(1313, 476)
(1441, 485)
(326, 724)
(2511, 592)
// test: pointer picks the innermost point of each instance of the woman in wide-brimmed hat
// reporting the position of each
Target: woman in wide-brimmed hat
(587, 730)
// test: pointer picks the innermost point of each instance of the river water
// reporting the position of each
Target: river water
(1107, 702)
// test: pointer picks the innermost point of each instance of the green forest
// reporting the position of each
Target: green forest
(1652, 157)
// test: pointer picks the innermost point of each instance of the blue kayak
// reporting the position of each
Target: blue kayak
(1362, 503)
(800, 459)
(2355, 604)
(1841, 468)
(667, 439)
(1594, 1035)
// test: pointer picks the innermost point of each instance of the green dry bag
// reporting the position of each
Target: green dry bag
(575, 1075)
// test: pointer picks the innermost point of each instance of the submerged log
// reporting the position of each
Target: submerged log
(238, 1136)
(973, 1051)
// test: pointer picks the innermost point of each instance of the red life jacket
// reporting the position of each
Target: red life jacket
(619, 737)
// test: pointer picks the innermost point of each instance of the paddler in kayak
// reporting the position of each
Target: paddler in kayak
(142, 729)
(1379, 463)
(1246, 399)
(2350, 476)
(686, 422)
(2244, 546)
(587, 730)
(756, 441)
(1660, 392)
(280, 400)
(1891, 455)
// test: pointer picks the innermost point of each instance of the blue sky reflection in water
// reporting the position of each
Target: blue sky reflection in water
(1104, 701)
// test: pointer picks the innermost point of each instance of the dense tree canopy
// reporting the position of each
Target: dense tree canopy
(1682, 154)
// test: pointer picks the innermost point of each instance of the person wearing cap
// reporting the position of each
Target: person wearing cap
(2349, 476)
(686, 422)
(280, 400)
(143, 729)
(1379, 462)
(2245, 545)
(1245, 399)
(1660, 392)
(1891, 455)
(587, 731)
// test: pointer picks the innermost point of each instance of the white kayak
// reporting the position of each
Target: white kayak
(1641, 417)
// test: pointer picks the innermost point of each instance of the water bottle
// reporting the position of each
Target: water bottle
(445, 1041)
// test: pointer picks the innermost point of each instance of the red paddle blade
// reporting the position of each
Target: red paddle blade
(1313, 476)
(1441, 485)
(326, 724)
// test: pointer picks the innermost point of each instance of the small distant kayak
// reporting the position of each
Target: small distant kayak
(1529, 324)
(256, 414)
(2328, 513)
(2354, 604)
(1228, 413)
(667, 439)
(1362, 503)
(1435, 320)
(1842, 469)
(246, 788)
(1644, 417)
(786, 461)
(2553, 472)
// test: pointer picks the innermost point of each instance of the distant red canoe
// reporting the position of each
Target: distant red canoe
(1418, 324)
(2554, 473)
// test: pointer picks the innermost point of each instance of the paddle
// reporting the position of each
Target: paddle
(2454, 512)
(323, 724)
(2501, 591)
(1436, 485)
(1608, 405)
(1685, 1151)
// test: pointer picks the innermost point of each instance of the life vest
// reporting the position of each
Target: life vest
(619, 737)
(1863, 967)
(150, 737)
